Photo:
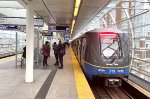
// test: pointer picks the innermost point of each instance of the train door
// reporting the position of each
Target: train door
(76, 47)
(83, 50)
(79, 49)
(81, 40)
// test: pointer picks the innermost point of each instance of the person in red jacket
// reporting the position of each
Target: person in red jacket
(46, 53)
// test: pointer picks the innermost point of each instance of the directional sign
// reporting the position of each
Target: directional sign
(19, 21)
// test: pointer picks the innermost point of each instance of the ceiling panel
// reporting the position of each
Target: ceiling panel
(60, 2)
(62, 14)
(88, 10)
(94, 3)
(39, 7)
(85, 15)
(60, 10)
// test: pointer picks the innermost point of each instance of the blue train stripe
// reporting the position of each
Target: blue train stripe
(105, 66)
(93, 70)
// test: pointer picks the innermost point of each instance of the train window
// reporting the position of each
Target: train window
(110, 45)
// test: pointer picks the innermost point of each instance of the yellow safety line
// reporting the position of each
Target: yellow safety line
(9, 57)
(105, 66)
(83, 88)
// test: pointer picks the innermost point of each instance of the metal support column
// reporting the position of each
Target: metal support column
(38, 46)
(16, 47)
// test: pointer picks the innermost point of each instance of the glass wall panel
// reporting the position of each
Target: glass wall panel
(138, 24)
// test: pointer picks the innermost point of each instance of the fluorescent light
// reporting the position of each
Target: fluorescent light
(76, 11)
(77, 3)
(73, 22)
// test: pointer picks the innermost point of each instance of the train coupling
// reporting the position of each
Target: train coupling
(113, 82)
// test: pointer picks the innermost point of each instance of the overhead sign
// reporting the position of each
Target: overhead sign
(58, 29)
(62, 28)
(10, 27)
(20, 21)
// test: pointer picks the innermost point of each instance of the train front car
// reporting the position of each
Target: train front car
(108, 55)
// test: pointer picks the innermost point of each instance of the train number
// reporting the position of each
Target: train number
(112, 71)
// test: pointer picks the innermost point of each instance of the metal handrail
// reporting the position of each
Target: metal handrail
(145, 73)
(141, 60)
(141, 72)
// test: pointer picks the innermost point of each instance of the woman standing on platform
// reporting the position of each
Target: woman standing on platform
(46, 53)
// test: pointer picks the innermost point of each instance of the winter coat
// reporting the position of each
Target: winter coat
(55, 48)
(61, 49)
(46, 50)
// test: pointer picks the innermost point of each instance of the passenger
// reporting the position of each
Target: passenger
(61, 53)
(55, 48)
(24, 53)
(64, 44)
(46, 53)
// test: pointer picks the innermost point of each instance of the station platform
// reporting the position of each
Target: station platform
(49, 83)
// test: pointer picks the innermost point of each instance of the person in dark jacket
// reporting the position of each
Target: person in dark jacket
(24, 53)
(61, 53)
(55, 48)
(46, 53)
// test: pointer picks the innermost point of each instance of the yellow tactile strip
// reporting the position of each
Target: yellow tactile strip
(83, 88)
(10, 57)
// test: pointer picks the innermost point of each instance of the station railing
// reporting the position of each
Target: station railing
(141, 68)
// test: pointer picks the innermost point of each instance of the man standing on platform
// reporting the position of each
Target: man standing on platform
(55, 48)
(61, 53)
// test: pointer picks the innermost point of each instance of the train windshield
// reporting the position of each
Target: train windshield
(110, 45)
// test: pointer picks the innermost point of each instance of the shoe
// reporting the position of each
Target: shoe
(61, 67)
(44, 67)
(56, 64)
(47, 65)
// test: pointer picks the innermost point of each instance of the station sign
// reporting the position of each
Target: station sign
(58, 29)
(10, 28)
(19, 21)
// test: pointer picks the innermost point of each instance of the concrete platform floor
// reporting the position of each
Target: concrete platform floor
(49, 83)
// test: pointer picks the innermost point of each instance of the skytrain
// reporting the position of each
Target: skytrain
(104, 53)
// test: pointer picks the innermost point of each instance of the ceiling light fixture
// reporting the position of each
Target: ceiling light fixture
(76, 9)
